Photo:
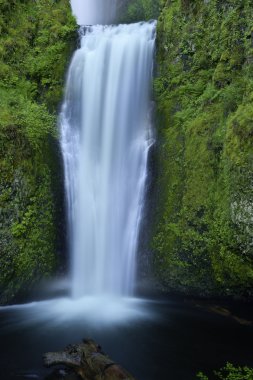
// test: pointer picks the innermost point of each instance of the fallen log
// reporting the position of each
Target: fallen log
(88, 361)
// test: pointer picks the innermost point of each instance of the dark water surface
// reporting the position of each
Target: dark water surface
(165, 340)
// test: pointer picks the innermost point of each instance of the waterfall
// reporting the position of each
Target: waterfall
(90, 12)
(105, 137)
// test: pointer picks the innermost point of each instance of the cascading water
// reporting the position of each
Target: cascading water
(90, 12)
(105, 139)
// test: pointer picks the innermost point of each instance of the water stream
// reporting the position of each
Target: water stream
(91, 12)
(105, 139)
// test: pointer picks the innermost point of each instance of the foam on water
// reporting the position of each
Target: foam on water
(89, 311)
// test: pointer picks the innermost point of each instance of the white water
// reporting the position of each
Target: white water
(90, 12)
(84, 312)
(105, 138)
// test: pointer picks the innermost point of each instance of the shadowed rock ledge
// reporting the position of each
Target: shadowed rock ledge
(88, 361)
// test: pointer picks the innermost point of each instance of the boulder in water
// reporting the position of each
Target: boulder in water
(88, 361)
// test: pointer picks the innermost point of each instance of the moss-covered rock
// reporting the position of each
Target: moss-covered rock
(204, 239)
(35, 46)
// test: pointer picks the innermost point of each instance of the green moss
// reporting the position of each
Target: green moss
(203, 90)
(140, 10)
(36, 42)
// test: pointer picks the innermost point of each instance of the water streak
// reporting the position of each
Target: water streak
(105, 137)
(90, 12)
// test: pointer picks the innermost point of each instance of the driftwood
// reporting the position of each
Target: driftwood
(88, 361)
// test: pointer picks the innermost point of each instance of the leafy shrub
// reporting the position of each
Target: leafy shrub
(229, 372)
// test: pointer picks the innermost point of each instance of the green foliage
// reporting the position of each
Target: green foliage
(203, 90)
(140, 10)
(229, 372)
(35, 43)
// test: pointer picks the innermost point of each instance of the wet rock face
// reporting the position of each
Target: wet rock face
(203, 224)
(31, 84)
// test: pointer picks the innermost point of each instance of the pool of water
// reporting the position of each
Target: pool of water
(153, 339)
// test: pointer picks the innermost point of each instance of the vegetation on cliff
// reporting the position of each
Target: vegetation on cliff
(35, 43)
(204, 93)
(140, 10)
